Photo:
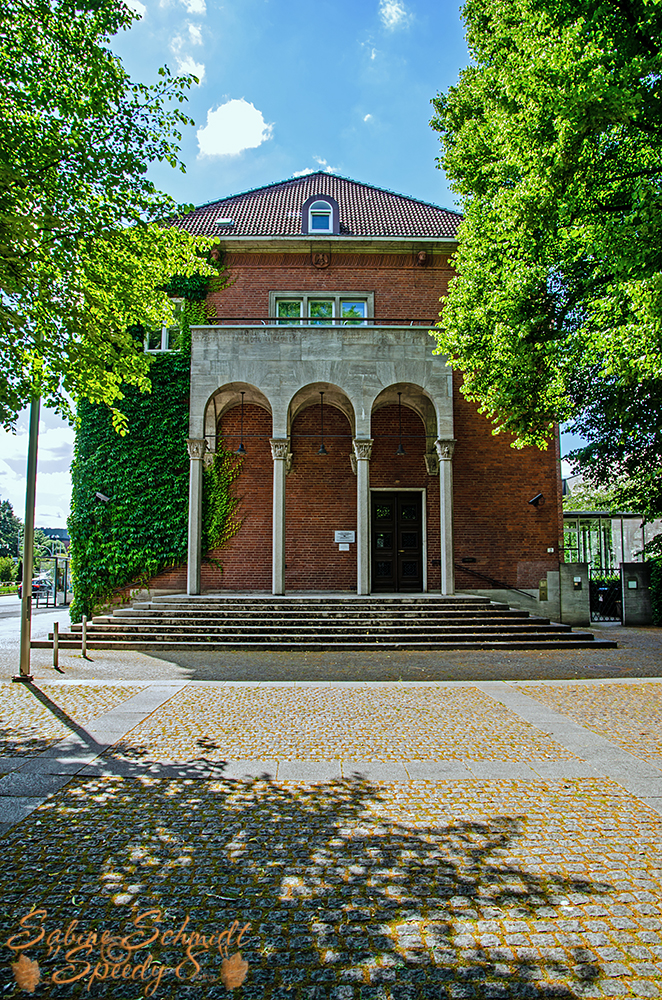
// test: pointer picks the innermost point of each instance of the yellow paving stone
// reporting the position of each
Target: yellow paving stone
(627, 714)
(33, 717)
(331, 723)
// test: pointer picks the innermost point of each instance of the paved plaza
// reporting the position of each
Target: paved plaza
(492, 835)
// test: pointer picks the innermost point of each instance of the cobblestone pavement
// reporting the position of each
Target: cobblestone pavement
(639, 654)
(31, 720)
(537, 876)
(629, 715)
(329, 723)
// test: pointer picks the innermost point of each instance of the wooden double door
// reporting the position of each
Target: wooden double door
(397, 542)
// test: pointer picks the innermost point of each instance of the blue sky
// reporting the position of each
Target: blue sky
(292, 86)
(286, 86)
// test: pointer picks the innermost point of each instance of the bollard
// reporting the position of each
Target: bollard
(84, 637)
(56, 644)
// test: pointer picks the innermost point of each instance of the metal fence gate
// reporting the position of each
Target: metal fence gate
(606, 596)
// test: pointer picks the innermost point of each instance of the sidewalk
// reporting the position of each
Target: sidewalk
(349, 840)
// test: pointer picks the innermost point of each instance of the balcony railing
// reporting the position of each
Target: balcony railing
(425, 323)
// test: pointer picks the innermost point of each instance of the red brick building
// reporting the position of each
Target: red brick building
(364, 467)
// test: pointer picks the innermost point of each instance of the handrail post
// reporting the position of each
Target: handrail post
(83, 644)
(56, 645)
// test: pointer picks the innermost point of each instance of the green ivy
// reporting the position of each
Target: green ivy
(219, 514)
(143, 527)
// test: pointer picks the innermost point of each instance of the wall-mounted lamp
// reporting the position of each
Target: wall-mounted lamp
(401, 450)
(538, 500)
(322, 450)
(102, 496)
(241, 450)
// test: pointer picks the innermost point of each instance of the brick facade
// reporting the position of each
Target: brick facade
(496, 532)
(403, 290)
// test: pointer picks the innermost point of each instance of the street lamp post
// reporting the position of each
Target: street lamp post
(28, 544)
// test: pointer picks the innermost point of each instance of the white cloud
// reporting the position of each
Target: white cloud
(185, 62)
(231, 128)
(194, 34)
(192, 6)
(367, 118)
(373, 54)
(394, 14)
(328, 169)
(188, 65)
(304, 172)
(137, 7)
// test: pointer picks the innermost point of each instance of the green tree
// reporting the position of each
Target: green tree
(10, 530)
(7, 569)
(84, 254)
(553, 141)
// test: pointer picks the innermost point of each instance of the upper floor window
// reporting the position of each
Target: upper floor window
(321, 309)
(166, 337)
(320, 215)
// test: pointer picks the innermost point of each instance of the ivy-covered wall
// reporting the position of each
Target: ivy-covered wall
(142, 528)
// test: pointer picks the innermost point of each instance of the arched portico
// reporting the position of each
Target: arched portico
(360, 369)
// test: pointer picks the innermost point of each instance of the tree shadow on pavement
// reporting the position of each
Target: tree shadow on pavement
(347, 893)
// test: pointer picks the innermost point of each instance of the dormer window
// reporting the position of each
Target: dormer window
(320, 217)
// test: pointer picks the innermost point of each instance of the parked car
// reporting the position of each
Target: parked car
(40, 585)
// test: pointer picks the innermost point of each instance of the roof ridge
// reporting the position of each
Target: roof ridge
(326, 173)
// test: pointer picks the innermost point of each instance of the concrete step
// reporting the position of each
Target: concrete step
(326, 617)
(574, 641)
(334, 625)
(178, 623)
(402, 633)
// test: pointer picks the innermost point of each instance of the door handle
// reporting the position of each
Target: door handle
(401, 550)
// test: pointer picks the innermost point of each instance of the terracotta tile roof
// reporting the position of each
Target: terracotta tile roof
(275, 210)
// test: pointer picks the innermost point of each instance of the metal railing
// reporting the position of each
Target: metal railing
(425, 323)
(495, 583)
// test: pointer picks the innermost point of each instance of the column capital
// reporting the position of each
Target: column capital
(363, 448)
(279, 448)
(196, 447)
(445, 448)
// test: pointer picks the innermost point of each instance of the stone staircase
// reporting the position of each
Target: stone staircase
(323, 623)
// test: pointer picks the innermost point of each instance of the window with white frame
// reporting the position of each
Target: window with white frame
(320, 217)
(166, 337)
(321, 308)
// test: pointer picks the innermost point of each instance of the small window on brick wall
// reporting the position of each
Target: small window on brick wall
(321, 309)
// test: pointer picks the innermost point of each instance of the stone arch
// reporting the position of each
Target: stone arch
(309, 395)
(225, 398)
(415, 398)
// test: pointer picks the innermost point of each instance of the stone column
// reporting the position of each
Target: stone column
(363, 451)
(196, 449)
(445, 449)
(279, 452)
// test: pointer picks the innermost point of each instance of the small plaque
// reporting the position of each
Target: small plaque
(345, 536)
(344, 547)
(632, 584)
